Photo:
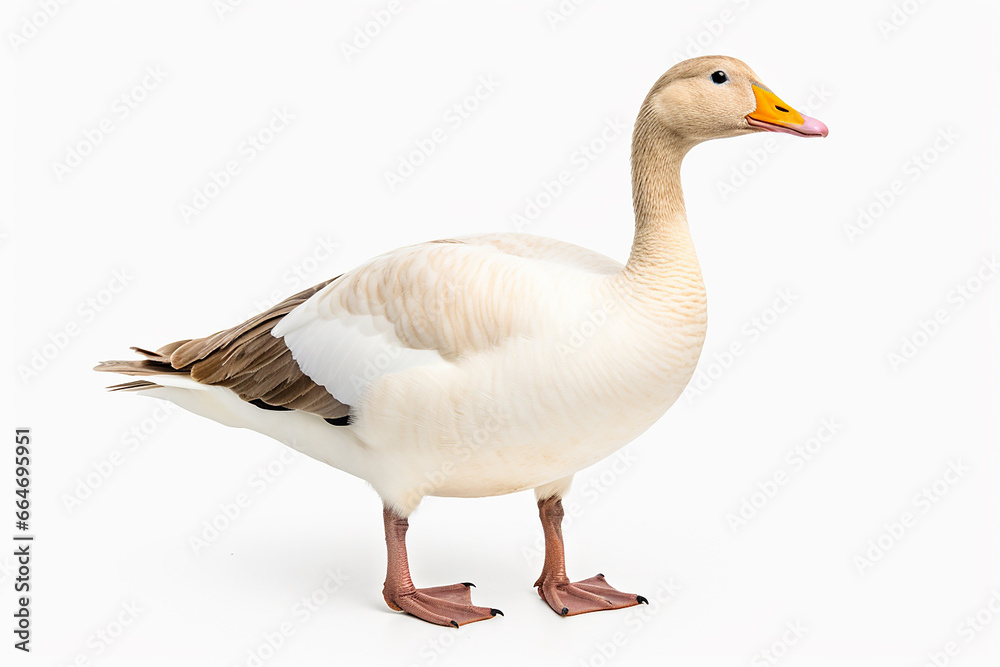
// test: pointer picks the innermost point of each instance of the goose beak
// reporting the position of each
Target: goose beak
(773, 115)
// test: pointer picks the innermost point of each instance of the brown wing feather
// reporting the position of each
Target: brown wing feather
(247, 359)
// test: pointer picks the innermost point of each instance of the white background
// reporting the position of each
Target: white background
(655, 522)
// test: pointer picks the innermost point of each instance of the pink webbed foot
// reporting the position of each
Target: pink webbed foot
(595, 594)
(442, 605)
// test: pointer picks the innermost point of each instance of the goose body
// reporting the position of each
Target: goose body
(489, 364)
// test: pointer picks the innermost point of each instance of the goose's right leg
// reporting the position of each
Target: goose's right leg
(565, 597)
(443, 605)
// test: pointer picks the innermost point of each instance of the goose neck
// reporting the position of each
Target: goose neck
(662, 244)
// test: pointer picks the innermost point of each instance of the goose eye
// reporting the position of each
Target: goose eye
(719, 76)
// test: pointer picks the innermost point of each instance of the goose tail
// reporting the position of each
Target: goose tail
(155, 363)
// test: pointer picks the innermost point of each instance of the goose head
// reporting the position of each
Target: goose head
(712, 97)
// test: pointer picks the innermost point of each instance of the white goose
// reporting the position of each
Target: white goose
(451, 368)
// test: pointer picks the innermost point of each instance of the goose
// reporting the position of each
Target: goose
(485, 365)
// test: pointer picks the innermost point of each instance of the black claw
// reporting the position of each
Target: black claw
(494, 612)
(467, 584)
(565, 611)
(641, 600)
(455, 623)
(600, 574)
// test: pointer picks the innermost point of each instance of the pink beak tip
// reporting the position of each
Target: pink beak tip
(813, 126)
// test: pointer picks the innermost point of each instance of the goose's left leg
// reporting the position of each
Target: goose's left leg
(565, 597)
(443, 605)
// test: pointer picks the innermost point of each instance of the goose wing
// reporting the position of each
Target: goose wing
(423, 305)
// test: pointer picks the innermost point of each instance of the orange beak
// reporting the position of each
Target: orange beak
(773, 115)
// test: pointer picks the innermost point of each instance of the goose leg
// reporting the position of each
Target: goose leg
(443, 605)
(570, 598)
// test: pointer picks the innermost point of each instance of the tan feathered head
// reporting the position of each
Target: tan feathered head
(716, 96)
